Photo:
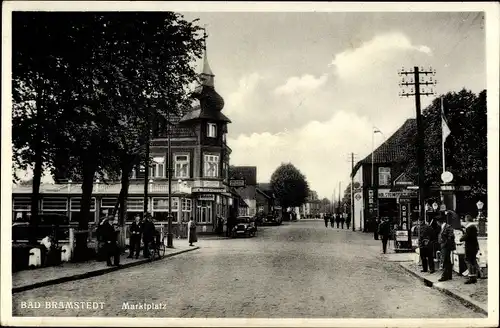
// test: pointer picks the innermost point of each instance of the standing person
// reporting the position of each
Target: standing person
(135, 237)
(337, 219)
(332, 219)
(109, 235)
(384, 230)
(326, 218)
(148, 234)
(471, 249)
(342, 220)
(376, 224)
(425, 240)
(192, 238)
(447, 244)
(348, 221)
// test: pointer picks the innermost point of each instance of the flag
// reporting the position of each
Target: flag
(444, 126)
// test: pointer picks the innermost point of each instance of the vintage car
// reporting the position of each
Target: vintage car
(245, 226)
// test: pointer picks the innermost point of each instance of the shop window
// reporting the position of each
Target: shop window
(384, 176)
(135, 204)
(187, 205)
(212, 130)
(55, 204)
(211, 166)
(181, 166)
(204, 212)
(161, 204)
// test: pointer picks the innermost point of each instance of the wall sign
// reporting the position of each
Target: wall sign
(237, 182)
(208, 190)
(206, 197)
(389, 194)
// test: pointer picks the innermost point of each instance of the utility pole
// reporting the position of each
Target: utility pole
(352, 155)
(419, 79)
(338, 205)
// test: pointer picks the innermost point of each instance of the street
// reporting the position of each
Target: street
(299, 269)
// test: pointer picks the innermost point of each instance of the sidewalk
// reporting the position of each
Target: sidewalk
(36, 278)
(473, 295)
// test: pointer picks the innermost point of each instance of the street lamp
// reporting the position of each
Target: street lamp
(481, 219)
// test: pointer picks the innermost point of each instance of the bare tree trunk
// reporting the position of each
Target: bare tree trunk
(89, 170)
(38, 167)
(125, 181)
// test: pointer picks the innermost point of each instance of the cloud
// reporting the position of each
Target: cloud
(384, 48)
(319, 149)
(306, 82)
(316, 120)
(237, 100)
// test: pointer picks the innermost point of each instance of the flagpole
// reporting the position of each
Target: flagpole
(442, 136)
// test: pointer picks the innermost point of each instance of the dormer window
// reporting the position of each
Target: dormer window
(212, 130)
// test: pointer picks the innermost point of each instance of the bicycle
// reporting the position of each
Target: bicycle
(157, 249)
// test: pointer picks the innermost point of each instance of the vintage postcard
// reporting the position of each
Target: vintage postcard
(250, 164)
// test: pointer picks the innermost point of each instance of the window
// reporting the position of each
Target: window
(161, 204)
(157, 169)
(22, 204)
(384, 176)
(55, 204)
(212, 130)
(135, 204)
(181, 166)
(187, 205)
(211, 166)
(204, 210)
(75, 206)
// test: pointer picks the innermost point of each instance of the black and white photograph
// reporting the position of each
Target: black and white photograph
(247, 164)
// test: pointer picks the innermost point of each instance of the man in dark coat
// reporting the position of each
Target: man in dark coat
(348, 220)
(342, 220)
(337, 219)
(471, 249)
(332, 220)
(135, 237)
(384, 230)
(376, 224)
(109, 236)
(326, 217)
(447, 244)
(425, 240)
(148, 234)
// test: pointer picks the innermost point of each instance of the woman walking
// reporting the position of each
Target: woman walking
(192, 232)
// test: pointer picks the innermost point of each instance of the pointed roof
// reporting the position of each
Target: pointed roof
(393, 149)
(207, 76)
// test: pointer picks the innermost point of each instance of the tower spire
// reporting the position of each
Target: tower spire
(207, 76)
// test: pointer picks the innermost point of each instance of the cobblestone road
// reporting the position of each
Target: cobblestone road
(296, 270)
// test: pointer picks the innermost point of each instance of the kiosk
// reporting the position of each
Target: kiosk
(402, 236)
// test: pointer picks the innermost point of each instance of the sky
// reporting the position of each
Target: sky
(308, 88)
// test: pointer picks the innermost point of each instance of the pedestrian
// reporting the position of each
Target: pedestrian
(425, 239)
(148, 234)
(337, 219)
(326, 218)
(348, 221)
(376, 224)
(332, 219)
(230, 223)
(342, 220)
(447, 245)
(471, 249)
(192, 238)
(135, 237)
(109, 235)
(384, 231)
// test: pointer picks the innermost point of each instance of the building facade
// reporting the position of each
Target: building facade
(246, 176)
(199, 170)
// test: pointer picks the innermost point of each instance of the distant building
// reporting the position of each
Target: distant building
(312, 206)
(245, 179)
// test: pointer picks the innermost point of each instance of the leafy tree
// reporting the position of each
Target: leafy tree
(290, 186)
(465, 147)
(118, 71)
